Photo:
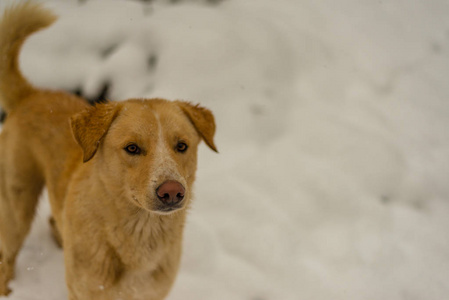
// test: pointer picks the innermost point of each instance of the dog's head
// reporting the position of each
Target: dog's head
(146, 150)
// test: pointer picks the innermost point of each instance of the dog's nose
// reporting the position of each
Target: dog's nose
(170, 192)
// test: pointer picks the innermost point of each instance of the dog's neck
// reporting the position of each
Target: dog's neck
(144, 226)
(147, 235)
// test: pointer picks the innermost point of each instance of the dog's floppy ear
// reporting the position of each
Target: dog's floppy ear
(202, 119)
(91, 125)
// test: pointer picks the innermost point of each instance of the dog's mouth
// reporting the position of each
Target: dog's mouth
(169, 209)
(159, 208)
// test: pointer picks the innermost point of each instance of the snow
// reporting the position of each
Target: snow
(331, 182)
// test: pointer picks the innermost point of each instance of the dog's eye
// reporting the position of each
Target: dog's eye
(181, 147)
(132, 149)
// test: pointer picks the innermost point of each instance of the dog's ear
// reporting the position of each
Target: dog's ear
(91, 125)
(202, 119)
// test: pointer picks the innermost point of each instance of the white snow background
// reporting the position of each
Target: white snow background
(332, 126)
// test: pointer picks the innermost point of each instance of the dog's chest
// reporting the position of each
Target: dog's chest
(149, 253)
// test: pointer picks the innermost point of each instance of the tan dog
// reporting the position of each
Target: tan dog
(119, 177)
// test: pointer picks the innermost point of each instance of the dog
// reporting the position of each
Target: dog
(119, 176)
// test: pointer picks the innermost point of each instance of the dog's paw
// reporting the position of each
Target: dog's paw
(5, 277)
(4, 289)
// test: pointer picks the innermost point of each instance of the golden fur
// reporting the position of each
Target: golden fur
(120, 241)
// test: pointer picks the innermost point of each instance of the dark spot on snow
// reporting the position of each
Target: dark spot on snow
(107, 51)
(152, 62)
(103, 95)
(214, 1)
(385, 199)
(147, 8)
(100, 98)
(257, 109)
(418, 204)
(436, 48)
(78, 91)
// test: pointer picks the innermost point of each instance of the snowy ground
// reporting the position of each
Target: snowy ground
(332, 177)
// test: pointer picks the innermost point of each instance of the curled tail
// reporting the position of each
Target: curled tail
(17, 23)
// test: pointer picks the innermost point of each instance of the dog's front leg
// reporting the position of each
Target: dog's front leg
(6, 274)
(92, 273)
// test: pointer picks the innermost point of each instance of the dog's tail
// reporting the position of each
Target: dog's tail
(18, 22)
